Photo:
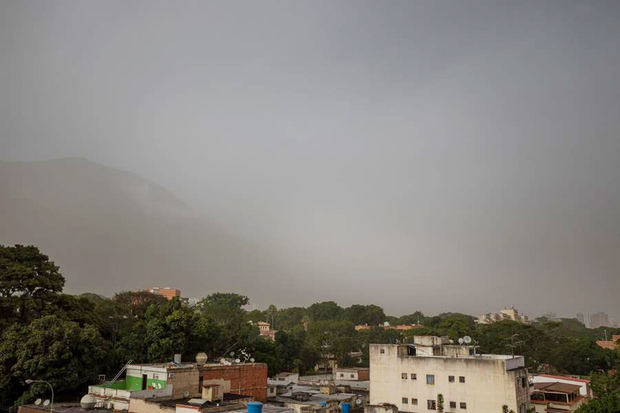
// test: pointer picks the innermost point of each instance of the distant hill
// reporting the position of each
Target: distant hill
(111, 230)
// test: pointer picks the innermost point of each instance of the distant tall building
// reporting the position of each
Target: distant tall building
(167, 292)
(599, 319)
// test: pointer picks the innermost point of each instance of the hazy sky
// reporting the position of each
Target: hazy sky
(441, 155)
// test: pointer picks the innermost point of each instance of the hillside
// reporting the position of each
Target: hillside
(111, 230)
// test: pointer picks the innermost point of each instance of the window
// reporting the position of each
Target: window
(414, 376)
(405, 401)
(523, 382)
(414, 401)
(403, 376)
(453, 405)
(352, 375)
(451, 379)
(431, 405)
(430, 379)
(461, 379)
(463, 405)
(382, 351)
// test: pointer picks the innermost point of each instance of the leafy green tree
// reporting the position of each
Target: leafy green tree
(28, 281)
(50, 348)
(135, 303)
(326, 310)
(440, 403)
(606, 388)
(290, 318)
(364, 314)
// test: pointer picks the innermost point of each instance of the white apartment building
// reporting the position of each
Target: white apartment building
(411, 376)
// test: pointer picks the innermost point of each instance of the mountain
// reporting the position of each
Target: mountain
(111, 230)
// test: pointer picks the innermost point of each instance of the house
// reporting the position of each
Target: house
(324, 400)
(351, 373)
(556, 397)
(279, 383)
(387, 326)
(584, 385)
(265, 330)
(411, 376)
(146, 383)
(610, 344)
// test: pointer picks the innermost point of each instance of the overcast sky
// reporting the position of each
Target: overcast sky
(441, 155)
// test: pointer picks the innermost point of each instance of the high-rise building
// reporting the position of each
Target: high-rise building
(599, 319)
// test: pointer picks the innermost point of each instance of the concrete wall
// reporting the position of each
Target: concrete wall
(146, 406)
(184, 381)
(488, 386)
(248, 379)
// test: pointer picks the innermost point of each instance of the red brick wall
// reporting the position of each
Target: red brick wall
(245, 379)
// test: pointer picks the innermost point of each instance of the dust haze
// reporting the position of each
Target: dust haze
(434, 156)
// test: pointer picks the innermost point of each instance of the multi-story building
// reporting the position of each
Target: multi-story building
(413, 376)
(265, 330)
(599, 319)
(167, 292)
(504, 314)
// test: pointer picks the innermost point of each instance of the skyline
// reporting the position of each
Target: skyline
(415, 155)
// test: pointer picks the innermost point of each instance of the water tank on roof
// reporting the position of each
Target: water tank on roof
(345, 407)
(255, 407)
(88, 401)
(201, 358)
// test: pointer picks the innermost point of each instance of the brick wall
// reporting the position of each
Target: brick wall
(245, 379)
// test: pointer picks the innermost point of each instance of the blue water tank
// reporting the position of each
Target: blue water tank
(345, 407)
(255, 407)
(323, 404)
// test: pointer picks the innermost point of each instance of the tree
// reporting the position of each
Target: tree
(364, 314)
(50, 348)
(327, 310)
(28, 281)
(440, 403)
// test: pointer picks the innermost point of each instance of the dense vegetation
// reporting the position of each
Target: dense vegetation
(69, 340)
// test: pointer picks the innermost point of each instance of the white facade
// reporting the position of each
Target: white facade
(412, 376)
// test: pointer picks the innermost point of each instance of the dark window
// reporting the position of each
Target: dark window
(430, 379)
(463, 405)
(382, 351)
(403, 376)
(431, 405)
(352, 375)
(414, 401)
(453, 405)
(451, 379)
(405, 401)
(411, 351)
(414, 376)
(461, 379)
(144, 381)
(523, 382)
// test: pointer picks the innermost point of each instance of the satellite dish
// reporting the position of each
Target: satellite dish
(461, 341)
(46, 402)
(38, 402)
(358, 401)
(232, 353)
(186, 394)
(252, 360)
(237, 361)
(467, 339)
